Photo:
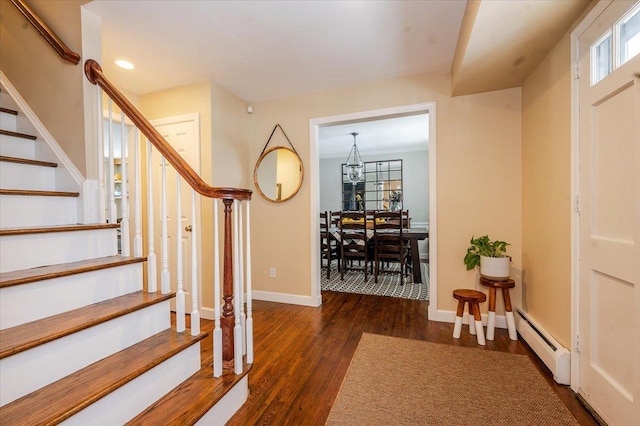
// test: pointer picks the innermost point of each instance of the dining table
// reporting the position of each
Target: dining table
(412, 235)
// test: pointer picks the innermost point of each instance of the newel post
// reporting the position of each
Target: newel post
(228, 320)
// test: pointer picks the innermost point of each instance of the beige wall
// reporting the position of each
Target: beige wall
(546, 189)
(478, 177)
(223, 149)
(52, 87)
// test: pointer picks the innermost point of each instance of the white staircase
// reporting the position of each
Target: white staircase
(81, 341)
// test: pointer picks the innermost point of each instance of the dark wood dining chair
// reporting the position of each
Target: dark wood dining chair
(334, 219)
(354, 242)
(329, 248)
(389, 244)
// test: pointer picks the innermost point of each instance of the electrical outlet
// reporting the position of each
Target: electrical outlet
(272, 272)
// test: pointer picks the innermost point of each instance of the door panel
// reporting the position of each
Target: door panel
(181, 136)
(609, 236)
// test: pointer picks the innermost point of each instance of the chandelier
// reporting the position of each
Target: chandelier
(354, 163)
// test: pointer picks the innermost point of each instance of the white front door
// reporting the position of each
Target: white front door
(182, 133)
(609, 236)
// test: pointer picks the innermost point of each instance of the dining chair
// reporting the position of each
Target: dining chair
(334, 219)
(328, 246)
(389, 244)
(354, 242)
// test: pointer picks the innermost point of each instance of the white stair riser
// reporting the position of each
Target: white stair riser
(11, 146)
(17, 211)
(27, 176)
(7, 121)
(27, 371)
(34, 250)
(24, 303)
(125, 403)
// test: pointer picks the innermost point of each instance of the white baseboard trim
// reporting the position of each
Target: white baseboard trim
(207, 313)
(450, 316)
(292, 299)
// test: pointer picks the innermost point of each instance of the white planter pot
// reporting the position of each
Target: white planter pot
(497, 268)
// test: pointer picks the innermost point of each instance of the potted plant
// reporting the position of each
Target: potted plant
(490, 256)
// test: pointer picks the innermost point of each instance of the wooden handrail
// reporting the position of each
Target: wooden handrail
(46, 32)
(95, 75)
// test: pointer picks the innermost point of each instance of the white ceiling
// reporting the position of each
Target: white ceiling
(382, 136)
(270, 49)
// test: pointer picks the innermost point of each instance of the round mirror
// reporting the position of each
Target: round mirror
(278, 174)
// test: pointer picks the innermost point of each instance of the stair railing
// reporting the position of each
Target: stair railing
(46, 32)
(233, 328)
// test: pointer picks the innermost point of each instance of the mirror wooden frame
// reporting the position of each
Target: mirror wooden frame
(279, 197)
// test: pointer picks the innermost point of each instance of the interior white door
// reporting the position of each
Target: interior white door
(181, 134)
(609, 236)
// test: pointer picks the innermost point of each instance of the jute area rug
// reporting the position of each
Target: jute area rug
(388, 283)
(393, 381)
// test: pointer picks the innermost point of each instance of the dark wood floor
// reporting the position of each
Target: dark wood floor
(302, 353)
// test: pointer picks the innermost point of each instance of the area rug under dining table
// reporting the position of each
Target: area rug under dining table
(388, 283)
(395, 381)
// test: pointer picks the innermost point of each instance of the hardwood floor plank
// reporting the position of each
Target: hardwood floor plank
(302, 353)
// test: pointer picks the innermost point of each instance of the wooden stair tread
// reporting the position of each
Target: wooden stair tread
(69, 395)
(24, 276)
(26, 336)
(9, 111)
(188, 402)
(29, 192)
(57, 228)
(18, 135)
(27, 161)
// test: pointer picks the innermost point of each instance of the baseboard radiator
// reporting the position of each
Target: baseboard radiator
(556, 357)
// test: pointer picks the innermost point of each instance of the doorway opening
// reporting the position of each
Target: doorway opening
(322, 180)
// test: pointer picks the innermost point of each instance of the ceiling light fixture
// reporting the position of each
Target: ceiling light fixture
(124, 64)
(354, 164)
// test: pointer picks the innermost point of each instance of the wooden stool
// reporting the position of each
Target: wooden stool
(505, 285)
(473, 298)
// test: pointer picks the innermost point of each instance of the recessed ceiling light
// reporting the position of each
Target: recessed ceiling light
(124, 64)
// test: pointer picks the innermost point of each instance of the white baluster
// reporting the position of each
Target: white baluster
(124, 203)
(217, 331)
(195, 312)
(249, 331)
(180, 303)
(165, 286)
(137, 238)
(237, 329)
(152, 271)
(110, 178)
(101, 192)
(240, 296)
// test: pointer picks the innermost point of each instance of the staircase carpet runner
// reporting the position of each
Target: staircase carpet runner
(26, 336)
(24, 276)
(388, 283)
(60, 400)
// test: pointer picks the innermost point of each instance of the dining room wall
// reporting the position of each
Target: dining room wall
(478, 169)
(415, 175)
